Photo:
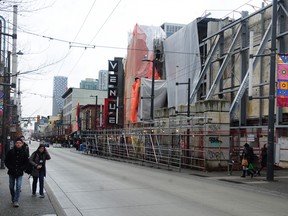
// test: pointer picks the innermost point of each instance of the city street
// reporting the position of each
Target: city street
(151, 108)
(86, 185)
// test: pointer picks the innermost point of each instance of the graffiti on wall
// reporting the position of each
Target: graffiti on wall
(214, 142)
(216, 155)
(214, 127)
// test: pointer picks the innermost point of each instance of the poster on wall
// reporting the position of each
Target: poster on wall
(282, 80)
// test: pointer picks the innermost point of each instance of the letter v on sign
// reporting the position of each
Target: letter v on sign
(113, 66)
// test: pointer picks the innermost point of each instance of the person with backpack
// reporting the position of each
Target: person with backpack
(25, 145)
(16, 160)
(38, 161)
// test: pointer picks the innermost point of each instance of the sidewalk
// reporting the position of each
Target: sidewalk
(259, 183)
(28, 205)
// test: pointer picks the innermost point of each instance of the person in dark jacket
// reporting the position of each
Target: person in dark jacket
(38, 161)
(263, 159)
(16, 160)
(248, 154)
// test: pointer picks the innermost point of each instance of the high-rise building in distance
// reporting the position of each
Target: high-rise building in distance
(171, 28)
(89, 83)
(59, 88)
(103, 80)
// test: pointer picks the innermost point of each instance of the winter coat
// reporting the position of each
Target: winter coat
(263, 157)
(248, 153)
(16, 160)
(36, 159)
(26, 148)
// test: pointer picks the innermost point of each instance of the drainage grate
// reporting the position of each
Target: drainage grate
(231, 181)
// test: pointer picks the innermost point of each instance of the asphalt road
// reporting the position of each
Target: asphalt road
(86, 185)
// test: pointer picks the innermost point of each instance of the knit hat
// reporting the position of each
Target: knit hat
(18, 139)
(41, 145)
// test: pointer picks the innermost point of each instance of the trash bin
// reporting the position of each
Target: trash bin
(82, 147)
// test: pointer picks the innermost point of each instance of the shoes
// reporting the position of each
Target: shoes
(42, 196)
(16, 204)
(34, 195)
(242, 176)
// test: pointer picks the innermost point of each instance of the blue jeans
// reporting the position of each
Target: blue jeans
(15, 194)
(41, 183)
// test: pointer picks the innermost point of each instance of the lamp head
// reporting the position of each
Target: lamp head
(145, 58)
(19, 53)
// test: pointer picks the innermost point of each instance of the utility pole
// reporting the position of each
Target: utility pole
(14, 46)
(15, 64)
(271, 119)
(6, 87)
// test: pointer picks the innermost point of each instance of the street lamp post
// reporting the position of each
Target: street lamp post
(152, 84)
(152, 90)
(188, 112)
(96, 104)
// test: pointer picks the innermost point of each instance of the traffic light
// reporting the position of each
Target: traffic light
(38, 118)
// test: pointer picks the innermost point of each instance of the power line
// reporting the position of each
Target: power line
(95, 36)
(78, 33)
(94, 46)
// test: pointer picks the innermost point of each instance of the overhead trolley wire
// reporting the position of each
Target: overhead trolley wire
(88, 14)
(95, 35)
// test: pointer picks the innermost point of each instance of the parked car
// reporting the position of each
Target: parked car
(57, 145)
(45, 143)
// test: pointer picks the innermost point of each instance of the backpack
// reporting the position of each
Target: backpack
(29, 166)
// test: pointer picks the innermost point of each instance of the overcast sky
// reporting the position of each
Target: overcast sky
(45, 36)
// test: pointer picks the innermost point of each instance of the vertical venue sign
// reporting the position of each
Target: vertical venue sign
(282, 79)
(112, 93)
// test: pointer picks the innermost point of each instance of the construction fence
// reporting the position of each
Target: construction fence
(176, 146)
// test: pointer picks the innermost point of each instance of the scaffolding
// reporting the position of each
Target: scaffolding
(162, 143)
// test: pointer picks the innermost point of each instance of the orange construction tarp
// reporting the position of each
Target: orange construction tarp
(135, 67)
(134, 101)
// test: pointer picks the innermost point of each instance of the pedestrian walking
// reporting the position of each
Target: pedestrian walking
(263, 161)
(248, 155)
(25, 145)
(16, 160)
(38, 161)
(77, 145)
